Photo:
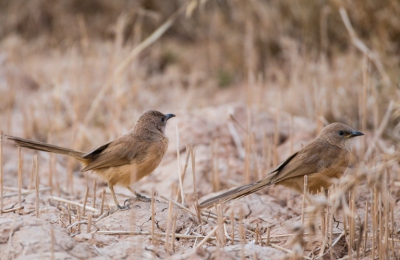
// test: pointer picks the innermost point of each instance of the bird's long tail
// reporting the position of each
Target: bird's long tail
(36, 145)
(237, 193)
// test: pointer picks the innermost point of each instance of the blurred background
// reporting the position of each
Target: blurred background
(250, 82)
(65, 63)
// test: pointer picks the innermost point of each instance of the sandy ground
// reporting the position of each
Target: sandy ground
(54, 235)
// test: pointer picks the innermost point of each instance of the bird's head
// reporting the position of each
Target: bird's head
(339, 134)
(153, 120)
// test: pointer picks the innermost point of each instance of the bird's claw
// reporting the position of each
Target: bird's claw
(142, 198)
(125, 207)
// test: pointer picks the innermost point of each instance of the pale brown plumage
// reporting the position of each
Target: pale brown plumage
(325, 158)
(123, 161)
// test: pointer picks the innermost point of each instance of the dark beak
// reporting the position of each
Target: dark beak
(168, 116)
(355, 133)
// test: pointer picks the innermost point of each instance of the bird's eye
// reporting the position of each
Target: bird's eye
(341, 133)
(162, 119)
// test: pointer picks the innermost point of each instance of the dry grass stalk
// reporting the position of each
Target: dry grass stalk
(209, 235)
(303, 204)
(387, 208)
(374, 221)
(221, 239)
(242, 234)
(179, 166)
(352, 224)
(173, 232)
(153, 213)
(78, 228)
(182, 207)
(37, 181)
(147, 233)
(196, 198)
(216, 184)
(288, 251)
(25, 192)
(69, 214)
(169, 219)
(276, 138)
(12, 209)
(365, 229)
(73, 203)
(392, 233)
(51, 171)
(291, 134)
(330, 225)
(94, 193)
(52, 242)
(1, 173)
(363, 102)
(236, 137)
(380, 225)
(257, 236)
(89, 223)
(232, 227)
(186, 163)
(85, 201)
(103, 197)
(32, 176)
(20, 165)
(70, 180)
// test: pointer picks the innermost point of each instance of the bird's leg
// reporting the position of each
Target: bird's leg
(139, 196)
(115, 198)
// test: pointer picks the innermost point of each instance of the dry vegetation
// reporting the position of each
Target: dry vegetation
(249, 81)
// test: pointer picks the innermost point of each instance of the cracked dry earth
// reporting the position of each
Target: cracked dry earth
(54, 235)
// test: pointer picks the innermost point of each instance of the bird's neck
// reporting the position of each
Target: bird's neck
(148, 134)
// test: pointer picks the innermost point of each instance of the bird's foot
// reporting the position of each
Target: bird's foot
(142, 198)
(125, 207)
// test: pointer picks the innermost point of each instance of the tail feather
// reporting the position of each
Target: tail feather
(236, 193)
(36, 145)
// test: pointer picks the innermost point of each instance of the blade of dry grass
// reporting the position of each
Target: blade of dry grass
(37, 181)
(85, 201)
(179, 166)
(209, 235)
(73, 203)
(20, 165)
(1, 173)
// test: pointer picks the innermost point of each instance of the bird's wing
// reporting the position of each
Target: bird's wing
(119, 152)
(313, 158)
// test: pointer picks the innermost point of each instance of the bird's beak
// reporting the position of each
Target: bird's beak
(355, 133)
(168, 116)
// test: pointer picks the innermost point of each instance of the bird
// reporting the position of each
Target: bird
(322, 160)
(123, 161)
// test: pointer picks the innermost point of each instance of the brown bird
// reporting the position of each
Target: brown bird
(323, 159)
(123, 161)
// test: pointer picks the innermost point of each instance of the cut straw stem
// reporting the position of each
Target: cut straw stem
(20, 165)
(1, 172)
(212, 232)
(153, 213)
(85, 201)
(37, 181)
(179, 165)
(72, 203)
